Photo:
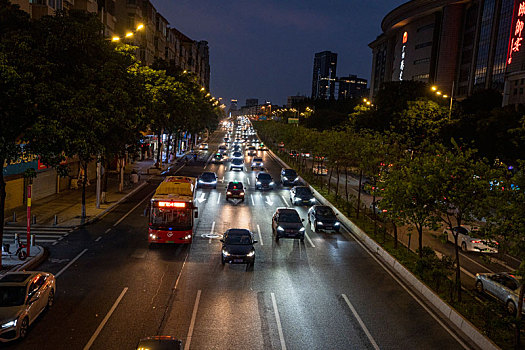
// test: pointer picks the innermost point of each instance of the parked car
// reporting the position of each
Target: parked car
(306, 154)
(302, 195)
(257, 163)
(293, 154)
(289, 177)
(159, 342)
(207, 179)
(264, 181)
(322, 217)
(320, 170)
(503, 286)
(23, 297)
(376, 207)
(286, 223)
(237, 247)
(470, 239)
(235, 189)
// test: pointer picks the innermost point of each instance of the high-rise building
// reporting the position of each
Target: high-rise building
(351, 87)
(252, 102)
(324, 75)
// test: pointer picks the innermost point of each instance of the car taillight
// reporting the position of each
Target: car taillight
(475, 241)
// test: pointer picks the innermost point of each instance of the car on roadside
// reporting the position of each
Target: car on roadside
(289, 177)
(302, 195)
(286, 223)
(264, 181)
(160, 342)
(237, 247)
(306, 154)
(237, 163)
(23, 297)
(257, 163)
(320, 170)
(293, 154)
(262, 147)
(376, 207)
(322, 217)
(470, 239)
(503, 286)
(235, 190)
(207, 179)
(203, 146)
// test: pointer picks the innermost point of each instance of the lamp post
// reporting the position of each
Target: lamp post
(439, 93)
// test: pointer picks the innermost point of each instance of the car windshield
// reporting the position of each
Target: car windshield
(289, 173)
(238, 238)
(176, 218)
(265, 177)
(325, 212)
(462, 230)
(237, 154)
(222, 147)
(235, 186)
(303, 191)
(208, 176)
(237, 161)
(12, 296)
(289, 216)
(258, 160)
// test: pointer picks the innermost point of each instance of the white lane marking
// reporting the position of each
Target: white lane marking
(222, 179)
(269, 201)
(211, 231)
(105, 320)
(55, 243)
(251, 196)
(202, 198)
(284, 200)
(260, 236)
(395, 278)
(132, 209)
(309, 240)
(70, 263)
(278, 320)
(192, 323)
(218, 198)
(361, 323)
(98, 239)
(109, 229)
(248, 180)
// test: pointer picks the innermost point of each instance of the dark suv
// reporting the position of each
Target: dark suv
(289, 177)
(237, 247)
(322, 217)
(287, 223)
(302, 195)
(235, 190)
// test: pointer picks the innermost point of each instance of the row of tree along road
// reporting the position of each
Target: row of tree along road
(410, 152)
(67, 91)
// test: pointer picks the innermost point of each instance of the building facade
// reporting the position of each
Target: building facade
(459, 45)
(324, 75)
(351, 87)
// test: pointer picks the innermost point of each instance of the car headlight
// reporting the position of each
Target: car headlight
(228, 192)
(319, 222)
(261, 164)
(272, 183)
(258, 182)
(152, 236)
(336, 223)
(200, 181)
(250, 254)
(214, 182)
(301, 229)
(312, 200)
(285, 178)
(279, 228)
(242, 193)
(225, 253)
(9, 324)
(298, 199)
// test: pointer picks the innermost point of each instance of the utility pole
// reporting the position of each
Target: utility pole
(451, 99)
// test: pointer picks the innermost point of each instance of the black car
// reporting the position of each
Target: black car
(207, 179)
(286, 223)
(289, 177)
(264, 181)
(160, 342)
(322, 217)
(217, 158)
(235, 190)
(302, 195)
(237, 247)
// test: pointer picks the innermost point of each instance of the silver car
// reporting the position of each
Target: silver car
(503, 286)
(23, 297)
(470, 239)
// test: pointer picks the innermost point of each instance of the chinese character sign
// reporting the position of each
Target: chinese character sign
(516, 33)
(402, 64)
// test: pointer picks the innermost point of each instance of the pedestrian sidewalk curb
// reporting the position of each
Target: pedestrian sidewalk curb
(32, 262)
(447, 311)
(112, 206)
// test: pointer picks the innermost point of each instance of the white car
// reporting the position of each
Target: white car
(469, 239)
(257, 163)
(23, 297)
(503, 286)
(204, 146)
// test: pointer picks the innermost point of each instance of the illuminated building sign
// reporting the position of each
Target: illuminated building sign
(402, 64)
(172, 204)
(516, 32)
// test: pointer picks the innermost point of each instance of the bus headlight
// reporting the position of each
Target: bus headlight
(152, 236)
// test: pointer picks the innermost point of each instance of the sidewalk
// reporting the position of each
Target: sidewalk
(12, 263)
(67, 204)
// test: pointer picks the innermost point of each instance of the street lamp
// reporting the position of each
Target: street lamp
(434, 88)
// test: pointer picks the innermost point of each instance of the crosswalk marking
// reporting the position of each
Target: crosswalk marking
(42, 234)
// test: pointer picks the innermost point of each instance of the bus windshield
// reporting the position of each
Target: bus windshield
(169, 217)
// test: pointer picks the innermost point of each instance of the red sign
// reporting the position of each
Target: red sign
(172, 204)
(405, 37)
(516, 32)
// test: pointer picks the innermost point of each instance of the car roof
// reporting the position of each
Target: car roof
(287, 210)
(208, 173)
(238, 231)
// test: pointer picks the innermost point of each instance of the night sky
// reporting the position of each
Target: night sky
(265, 48)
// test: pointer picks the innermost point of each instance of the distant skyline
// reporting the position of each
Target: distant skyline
(265, 48)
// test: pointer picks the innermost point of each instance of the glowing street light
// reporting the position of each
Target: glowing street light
(140, 27)
(115, 38)
(434, 88)
(129, 34)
